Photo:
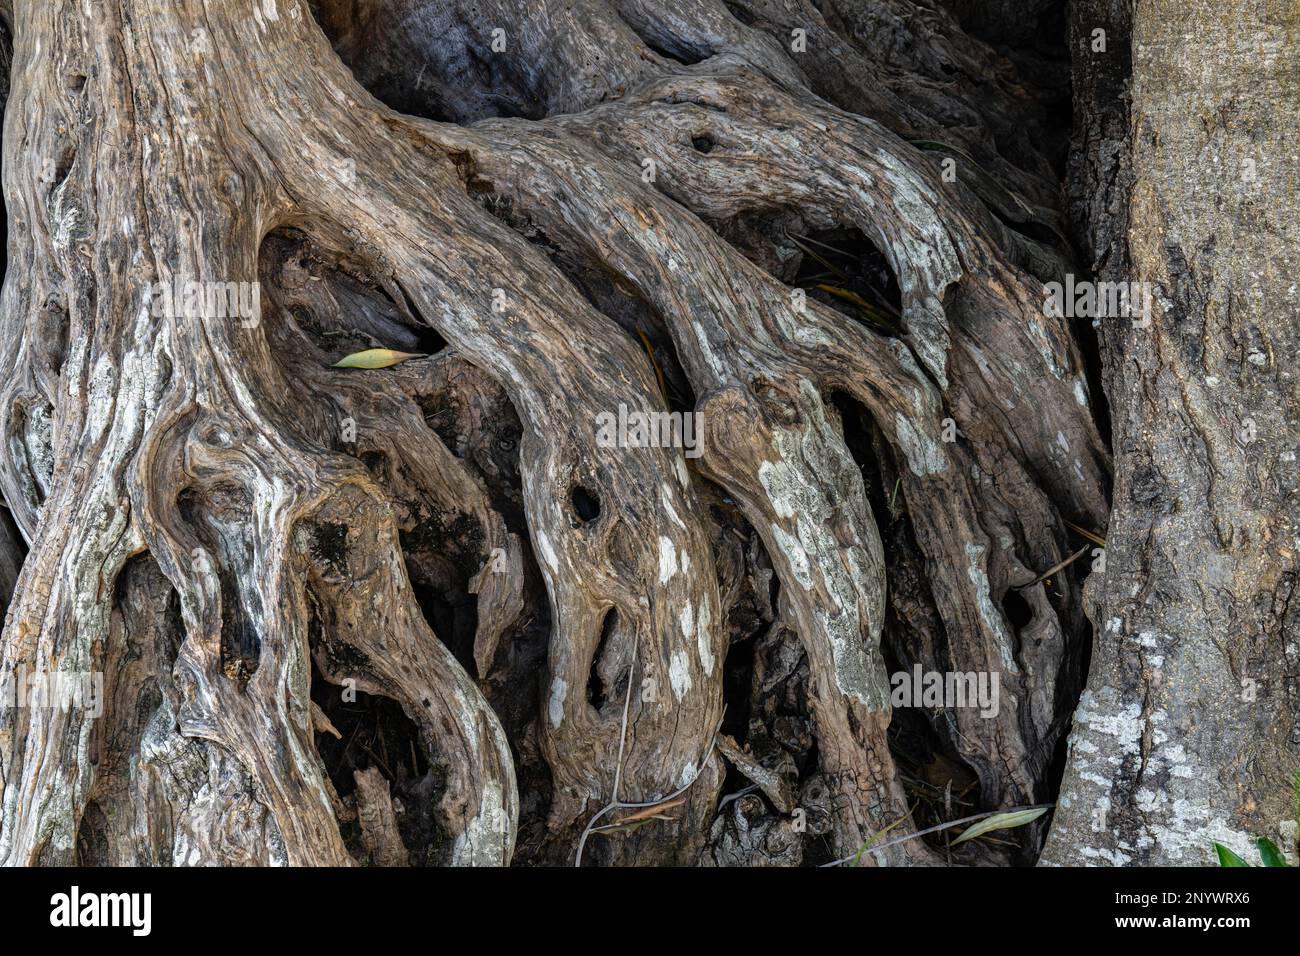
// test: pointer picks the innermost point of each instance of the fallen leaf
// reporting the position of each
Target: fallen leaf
(1000, 821)
(375, 358)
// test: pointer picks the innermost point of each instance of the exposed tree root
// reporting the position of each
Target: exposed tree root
(295, 514)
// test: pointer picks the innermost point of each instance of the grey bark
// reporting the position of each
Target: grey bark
(238, 534)
(1189, 729)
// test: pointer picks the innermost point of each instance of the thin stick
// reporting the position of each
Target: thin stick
(1084, 532)
(617, 804)
(627, 705)
(618, 766)
(1056, 567)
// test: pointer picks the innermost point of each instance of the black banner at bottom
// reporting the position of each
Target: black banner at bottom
(365, 906)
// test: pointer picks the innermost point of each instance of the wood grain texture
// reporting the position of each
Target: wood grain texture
(236, 531)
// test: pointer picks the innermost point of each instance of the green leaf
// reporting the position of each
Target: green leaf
(999, 821)
(1269, 853)
(1227, 857)
(375, 358)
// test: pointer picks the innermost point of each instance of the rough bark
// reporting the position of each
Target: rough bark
(1188, 731)
(237, 534)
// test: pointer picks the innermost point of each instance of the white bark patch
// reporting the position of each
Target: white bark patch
(795, 555)
(810, 335)
(666, 501)
(547, 552)
(858, 674)
(1192, 829)
(559, 690)
(925, 261)
(667, 559)
(989, 614)
(1106, 856)
(679, 674)
(1180, 820)
(702, 641)
(1124, 725)
(706, 351)
(792, 325)
(682, 477)
(834, 533)
(68, 219)
(923, 454)
(775, 478)
(484, 840)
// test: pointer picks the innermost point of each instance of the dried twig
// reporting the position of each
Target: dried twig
(1056, 567)
(615, 803)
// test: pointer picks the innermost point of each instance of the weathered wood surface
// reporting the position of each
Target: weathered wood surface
(235, 532)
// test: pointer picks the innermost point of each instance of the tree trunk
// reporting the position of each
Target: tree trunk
(431, 613)
(1188, 731)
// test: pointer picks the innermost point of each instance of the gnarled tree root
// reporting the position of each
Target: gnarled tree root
(214, 513)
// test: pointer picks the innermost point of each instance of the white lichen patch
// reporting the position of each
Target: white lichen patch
(1182, 808)
(859, 674)
(924, 455)
(1187, 829)
(486, 838)
(1105, 855)
(925, 261)
(811, 478)
(689, 773)
(1100, 715)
